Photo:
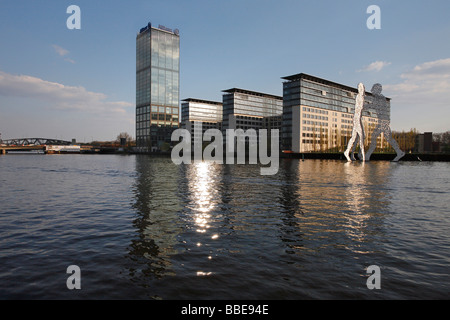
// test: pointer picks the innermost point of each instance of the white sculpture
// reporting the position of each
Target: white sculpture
(358, 131)
(382, 109)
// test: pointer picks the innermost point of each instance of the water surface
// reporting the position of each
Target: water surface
(144, 228)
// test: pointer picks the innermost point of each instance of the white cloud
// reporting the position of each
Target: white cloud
(423, 96)
(61, 51)
(375, 66)
(59, 96)
(440, 68)
(428, 82)
(30, 106)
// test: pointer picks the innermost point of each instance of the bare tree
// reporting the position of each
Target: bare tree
(126, 136)
(444, 140)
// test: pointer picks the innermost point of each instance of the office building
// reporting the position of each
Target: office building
(244, 109)
(318, 115)
(204, 112)
(157, 87)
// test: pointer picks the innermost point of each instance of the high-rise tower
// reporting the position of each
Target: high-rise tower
(157, 87)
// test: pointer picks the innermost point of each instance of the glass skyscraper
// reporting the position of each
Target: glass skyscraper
(157, 87)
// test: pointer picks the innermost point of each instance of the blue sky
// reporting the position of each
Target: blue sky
(61, 83)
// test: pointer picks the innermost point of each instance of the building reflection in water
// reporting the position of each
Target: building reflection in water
(367, 201)
(291, 205)
(216, 222)
(358, 197)
(176, 215)
(329, 204)
(157, 221)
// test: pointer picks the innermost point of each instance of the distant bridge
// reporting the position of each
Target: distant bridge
(27, 144)
(33, 142)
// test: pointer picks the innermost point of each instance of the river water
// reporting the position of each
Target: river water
(141, 227)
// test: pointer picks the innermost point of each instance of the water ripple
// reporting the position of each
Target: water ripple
(143, 228)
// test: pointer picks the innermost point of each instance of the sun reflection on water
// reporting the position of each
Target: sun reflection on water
(203, 201)
(201, 186)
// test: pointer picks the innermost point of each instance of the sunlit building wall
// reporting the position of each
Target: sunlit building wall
(318, 115)
(206, 113)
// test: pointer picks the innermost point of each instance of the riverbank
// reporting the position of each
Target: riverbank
(440, 157)
(374, 156)
(340, 156)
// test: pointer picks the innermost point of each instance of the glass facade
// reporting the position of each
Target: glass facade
(206, 113)
(157, 87)
(201, 110)
(243, 109)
